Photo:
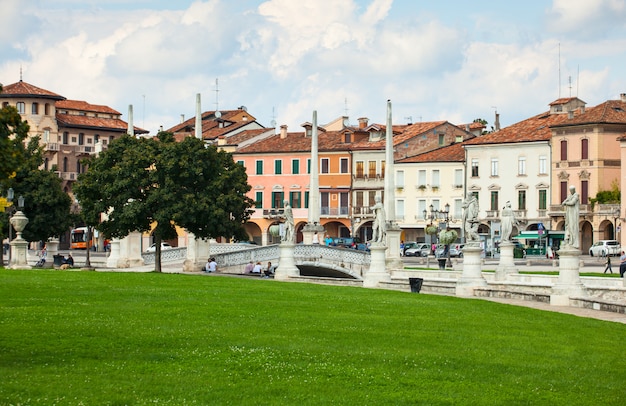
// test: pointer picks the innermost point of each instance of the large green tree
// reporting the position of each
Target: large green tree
(13, 132)
(143, 183)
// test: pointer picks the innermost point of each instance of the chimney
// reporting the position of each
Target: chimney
(221, 140)
(467, 127)
(182, 118)
(497, 123)
(283, 131)
(622, 96)
(582, 109)
(363, 122)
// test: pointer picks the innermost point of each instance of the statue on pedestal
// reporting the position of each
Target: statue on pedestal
(379, 228)
(508, 221)
(289, 235)
(572, 211)
(470, 218)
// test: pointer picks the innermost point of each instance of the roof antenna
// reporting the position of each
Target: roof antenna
(559, 70)
(273, 122)
(20, 72)
(570, 85)
(577, 79)
(409, 119)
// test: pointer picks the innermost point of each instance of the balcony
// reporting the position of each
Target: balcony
(52, 146)
(272, 213)
(362, 211)
(334, 211)
(84, 149)
(493, 214)
(68, 175)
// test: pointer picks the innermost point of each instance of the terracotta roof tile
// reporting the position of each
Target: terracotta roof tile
(213, 127)
(298, 142)
(450, 153)
(536, 128)
(24, 89)
(84, 106)
(110, 124)
(609, 112)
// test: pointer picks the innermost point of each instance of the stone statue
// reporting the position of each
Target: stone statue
(379, 228)
(508, 221)
(289, 235)
(470, 218)
(572, 210)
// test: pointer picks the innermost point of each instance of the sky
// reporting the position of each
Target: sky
(282, 59)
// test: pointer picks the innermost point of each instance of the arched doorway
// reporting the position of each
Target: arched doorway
(586, 236)
(254, 233)
(607, 230)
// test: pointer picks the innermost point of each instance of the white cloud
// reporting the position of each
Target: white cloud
(586, 19)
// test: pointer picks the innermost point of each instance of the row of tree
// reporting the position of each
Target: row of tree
(136, 184)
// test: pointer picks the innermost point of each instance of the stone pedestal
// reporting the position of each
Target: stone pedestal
(198, 253)
(309, 230)
(506, 266)
(286, 263)
(114, 255)
(19, 246)
(568, 284)
(472, 276)
(393, 258)
(378, 266)
(130, 251)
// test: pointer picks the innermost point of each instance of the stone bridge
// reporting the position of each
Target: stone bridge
(311, 260)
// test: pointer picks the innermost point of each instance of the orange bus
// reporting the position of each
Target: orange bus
(78, 239)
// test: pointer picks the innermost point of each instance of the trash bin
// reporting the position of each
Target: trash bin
(442, 263)
(416, 284)
(58, 260)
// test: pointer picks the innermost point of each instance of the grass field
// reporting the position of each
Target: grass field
(98, 338)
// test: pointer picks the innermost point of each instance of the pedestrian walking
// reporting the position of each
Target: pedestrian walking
(622, 265)
(608, 264)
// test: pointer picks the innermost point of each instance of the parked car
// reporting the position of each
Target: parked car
(603, 248)
(456, 250)
(418, 250)
(164, 246)
(408, 245)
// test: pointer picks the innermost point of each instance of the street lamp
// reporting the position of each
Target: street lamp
(445, 216)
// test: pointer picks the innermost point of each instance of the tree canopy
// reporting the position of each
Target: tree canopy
(145, 184)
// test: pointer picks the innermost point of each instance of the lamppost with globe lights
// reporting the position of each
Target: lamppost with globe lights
(444, 217)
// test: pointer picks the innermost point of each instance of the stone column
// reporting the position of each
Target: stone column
(394, 260)
(568, 284)
(506, 266)
(130, 251)
(377, 271)
(472, 273)
(114, 255)
(313, 224)
(286, 263)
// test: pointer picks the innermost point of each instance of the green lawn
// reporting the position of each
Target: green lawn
(94, 338)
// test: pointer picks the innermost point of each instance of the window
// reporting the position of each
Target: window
(584, 192)
(359, 199)
(458, 178)
(77, 166)
(344, 198)
(295, 166)
(521, 200)
(474, 167)
(347, 137)
(563, 191)
(372, 198)
(584, 148)
(46, 135)
(65, 163)
(563, 150)
(295, 199)
(372, 169)
(400, 179)
(308, 166)
(543, 199)
(435, 204)
(238, 162)
(458, 209)
(442, 139)
(66, 137)
(277, 200)
(325, 199)
(421, 177)
(400, 208)
(46, 109)
(21, 107)
(343, 165)
(325, 165)
(382, 169)
(543, 165)
(81, 139)
(35, 109)
(521, 166)
(259, 167)
(359, 169)
(494, 200)
(435, 181)
(259, 200)
(494, 167)
(278, 166)
(306, 200)
(421, 206)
